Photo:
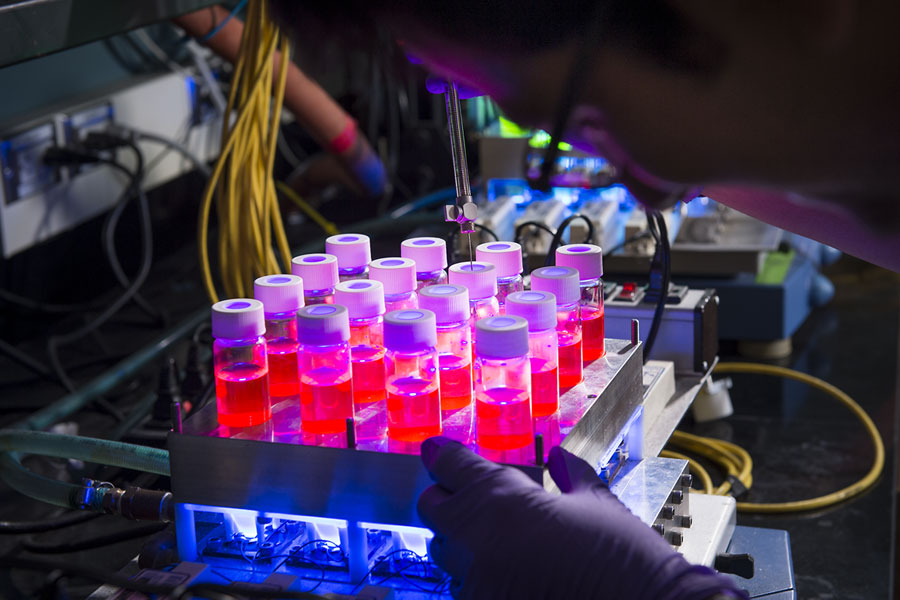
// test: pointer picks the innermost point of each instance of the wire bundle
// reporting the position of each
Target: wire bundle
(241, 180)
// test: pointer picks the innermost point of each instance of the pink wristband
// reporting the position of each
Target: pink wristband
(345, 139)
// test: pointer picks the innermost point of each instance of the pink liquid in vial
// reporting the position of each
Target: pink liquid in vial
(368, 375)
(503, 419)
(284, 381)
(242, 395)
(456, 382)
(414, 410)
(326, 400)
(592, 324)
(544, 389)
(570, 372)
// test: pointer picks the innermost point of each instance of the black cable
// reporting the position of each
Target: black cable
(25, 359)
(663, 251)
(65, 519)
(45, 307)
(635, 238)
(54, 342)
(107, 539)
(517, 236)
(561, 230)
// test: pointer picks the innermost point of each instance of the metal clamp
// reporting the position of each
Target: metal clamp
(464, 211)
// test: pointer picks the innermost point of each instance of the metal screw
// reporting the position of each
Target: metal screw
(667, 512)
(686, 521)
(676, 538)
(676, 497)
(686, 480)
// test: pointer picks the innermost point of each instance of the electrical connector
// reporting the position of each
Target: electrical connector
(168, 392)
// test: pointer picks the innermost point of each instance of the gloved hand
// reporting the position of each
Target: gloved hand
(499, 534)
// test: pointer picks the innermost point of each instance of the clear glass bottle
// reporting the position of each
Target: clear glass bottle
(398, 276)
(563, 283)
(480, 278)
(411, 370)
(539, 309)
(502, 385)
(364, 301)
(320, 274)
(353, 252)
(282, 297)
(450, 304)
(430, 256)
(587, 259)
(507, 258)
(240, 363)
(326, 391)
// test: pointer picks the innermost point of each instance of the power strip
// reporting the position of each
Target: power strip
(37, 202)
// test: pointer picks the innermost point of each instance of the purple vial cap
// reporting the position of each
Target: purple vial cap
(479, 277)
(398, 275)
(538, 308)
(363, 298)
(501, 337)
(238, 319)
(449, 303)
(323, 325)
(561, 281)
(587, 259)
(410, 330)
(319, 271)
(279, 293)
(506, 256)
(351, 249)
(429, 253)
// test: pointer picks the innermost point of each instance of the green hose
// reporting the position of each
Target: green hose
(38, 487)
(106, 452)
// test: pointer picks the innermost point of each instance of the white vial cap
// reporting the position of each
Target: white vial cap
(323, 325)
(410, 330)
(506, 256)
(279, 293)
(351, 249)
(587, 259)
(501, 337)
(319, 271)
(449, 303)
(364, 298)
(561, 281)
(479, 277)
(238, 319)
(398, 275)
(538, 308)
(429, 253)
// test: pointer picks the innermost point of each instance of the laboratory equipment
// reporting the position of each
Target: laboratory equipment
(481, 280)
(563, 283)
(353, 254)
(240, 363)
(430, 256)
(398, 275)
(282, 297)
(587, 259)
(320, 274)
(450, 304)
(539, 310)
(507, 258)
(464, 212)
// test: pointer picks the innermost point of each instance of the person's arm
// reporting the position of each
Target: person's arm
(826, 223)
(313, 108)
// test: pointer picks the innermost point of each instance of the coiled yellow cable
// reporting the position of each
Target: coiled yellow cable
(735, 461)
(241, 181)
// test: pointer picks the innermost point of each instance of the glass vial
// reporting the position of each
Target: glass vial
(411, 369)
(587, 259)
(450, 304)
(281, 296)
(480, 278)
(353, 254)
(430, 256)
(539, 309)
(563, 283)
(398, 276)
(240, 363)
(502, 385)
(320, 274)
(364, 301)
(507, 258)
(326, 392)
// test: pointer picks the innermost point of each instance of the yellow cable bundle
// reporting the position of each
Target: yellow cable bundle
(736, 462)
(241, 181)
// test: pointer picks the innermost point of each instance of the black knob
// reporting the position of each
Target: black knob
(736, 564)
(660, 528)
(676, 538)
(667, 512)
(676, 497)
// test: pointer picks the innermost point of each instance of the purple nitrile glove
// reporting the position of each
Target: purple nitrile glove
(498, 534)
(438, 85)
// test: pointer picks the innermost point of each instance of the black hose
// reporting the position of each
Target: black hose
(107, 539)
(66, 519)
(656, 220)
